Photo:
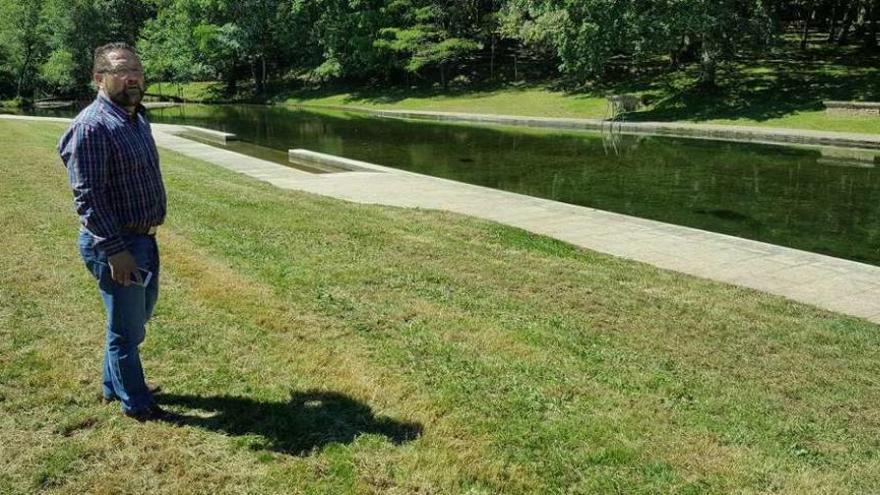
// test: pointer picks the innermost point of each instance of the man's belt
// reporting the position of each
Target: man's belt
(151, 230)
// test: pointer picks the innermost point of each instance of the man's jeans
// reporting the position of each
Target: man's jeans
(128, 309)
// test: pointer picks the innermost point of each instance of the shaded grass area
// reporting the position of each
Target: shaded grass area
(786, 87)
(200, 91)
(783, 87)
(316, 346)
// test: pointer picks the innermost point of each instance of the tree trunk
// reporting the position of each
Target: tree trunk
(515, 72)
(862, 21)
(23, 73)
(258, 81)
(832, 30)
(871, 33)
(806, 33)
(231, 86)
(708, 65)
(492, 60)
(848, 16)
(675, 55)
(263, 77)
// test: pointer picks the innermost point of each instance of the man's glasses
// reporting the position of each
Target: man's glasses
(123, 71)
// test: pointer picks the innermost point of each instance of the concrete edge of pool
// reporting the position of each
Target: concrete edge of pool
(835, 284)
(749, 134)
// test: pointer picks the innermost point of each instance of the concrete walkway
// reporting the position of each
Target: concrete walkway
(831, 283)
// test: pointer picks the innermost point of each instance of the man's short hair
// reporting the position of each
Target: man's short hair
(101, 63)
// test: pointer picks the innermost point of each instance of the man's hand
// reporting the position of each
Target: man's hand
(122, 268)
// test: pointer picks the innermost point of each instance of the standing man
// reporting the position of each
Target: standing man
(113, 167)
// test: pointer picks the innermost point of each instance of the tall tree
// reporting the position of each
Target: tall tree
(77, 28)
(433, 36)
(168, 46)
(23, 36)
(341, 34)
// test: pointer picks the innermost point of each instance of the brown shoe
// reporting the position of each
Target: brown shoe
(154, 389)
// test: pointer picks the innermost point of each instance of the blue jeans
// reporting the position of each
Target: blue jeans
(128, 310)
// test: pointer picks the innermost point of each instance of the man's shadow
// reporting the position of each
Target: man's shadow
(307, 422)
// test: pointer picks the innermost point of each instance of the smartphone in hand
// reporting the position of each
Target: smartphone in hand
(144, 275)
(140, 277)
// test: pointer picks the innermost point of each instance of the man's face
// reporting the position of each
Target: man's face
(123, 81)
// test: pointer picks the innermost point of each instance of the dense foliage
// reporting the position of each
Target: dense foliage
(46, 45)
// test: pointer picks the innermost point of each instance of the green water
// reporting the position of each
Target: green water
(808, 199)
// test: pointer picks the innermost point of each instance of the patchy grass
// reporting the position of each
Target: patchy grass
(317, 346)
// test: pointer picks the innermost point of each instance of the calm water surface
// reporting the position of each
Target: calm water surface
(803, 198)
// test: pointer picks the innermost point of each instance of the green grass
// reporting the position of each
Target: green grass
(518, 100)
(317, 346)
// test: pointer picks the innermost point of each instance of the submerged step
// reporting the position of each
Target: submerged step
(330, 163)
(208, 134)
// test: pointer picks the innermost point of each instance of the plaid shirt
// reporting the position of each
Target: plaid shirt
(113, 168)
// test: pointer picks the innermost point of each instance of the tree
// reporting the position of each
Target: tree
(168, 47)
(588, 34)
(77, 28)
(871, 31)
(340, 36)
(221, 48)
(23, 36)
(426, 40)
(58, 73)
(849, 16)
(583, 34)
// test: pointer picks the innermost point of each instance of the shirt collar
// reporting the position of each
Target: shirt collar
(121, 112)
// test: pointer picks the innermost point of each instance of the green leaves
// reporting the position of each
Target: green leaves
(47, 44)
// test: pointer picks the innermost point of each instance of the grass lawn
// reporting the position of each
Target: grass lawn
(317, 346)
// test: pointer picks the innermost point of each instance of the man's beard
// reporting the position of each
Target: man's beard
(128, 97)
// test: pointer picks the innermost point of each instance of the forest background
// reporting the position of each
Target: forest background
(260, 48)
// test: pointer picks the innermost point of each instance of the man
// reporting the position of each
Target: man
(113, 168)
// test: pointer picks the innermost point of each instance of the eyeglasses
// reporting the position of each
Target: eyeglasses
(123, 71)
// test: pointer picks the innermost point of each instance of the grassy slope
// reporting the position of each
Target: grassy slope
(308, 339)
(783, 87)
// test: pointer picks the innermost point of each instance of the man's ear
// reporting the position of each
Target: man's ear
(98, 79)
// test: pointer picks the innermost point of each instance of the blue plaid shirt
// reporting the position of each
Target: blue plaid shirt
(113, 168)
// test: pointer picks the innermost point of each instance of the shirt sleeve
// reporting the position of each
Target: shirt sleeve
(85, 150)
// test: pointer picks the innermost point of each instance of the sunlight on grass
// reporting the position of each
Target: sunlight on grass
(319, 346)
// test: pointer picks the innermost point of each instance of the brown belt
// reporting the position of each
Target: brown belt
(151, 230)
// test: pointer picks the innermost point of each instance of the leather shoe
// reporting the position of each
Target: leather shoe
(154, 389)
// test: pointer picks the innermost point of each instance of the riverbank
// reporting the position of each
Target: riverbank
(741, 133)
(317, 345)
(784, 88)
(544, 102)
